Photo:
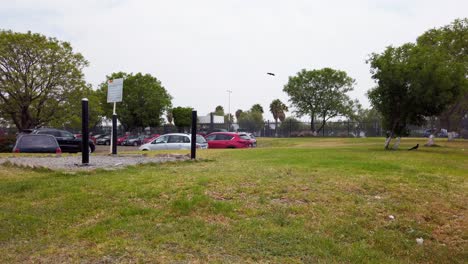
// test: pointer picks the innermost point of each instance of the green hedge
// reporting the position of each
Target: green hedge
(7, 142)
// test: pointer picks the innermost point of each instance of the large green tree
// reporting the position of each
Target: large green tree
(453, 40)
(182, 117)
(320, 94)
(251, 121)
(71, 117)
(41, 79)
(144, 100)
(278, 109)
(415, 81)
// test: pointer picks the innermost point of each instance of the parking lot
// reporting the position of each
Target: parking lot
(102, 149)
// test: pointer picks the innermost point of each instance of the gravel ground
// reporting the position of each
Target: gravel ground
(95, 161)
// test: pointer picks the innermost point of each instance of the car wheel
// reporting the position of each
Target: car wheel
(135, 144)
(107, 143)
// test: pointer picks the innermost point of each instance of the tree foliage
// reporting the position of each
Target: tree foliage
(41, 79)
(144, 100)
(238, 114)
(251, 121)
(278, 109)
(320, 94)
(182, 116)
(257, 108)
(219, 110)
(415, 81)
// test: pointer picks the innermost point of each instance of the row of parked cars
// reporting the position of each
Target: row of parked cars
(49, 140)
(214, 140)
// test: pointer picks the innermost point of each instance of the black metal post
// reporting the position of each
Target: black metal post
(85, 131)
(194, 135)
(114, 134)
(211, 122)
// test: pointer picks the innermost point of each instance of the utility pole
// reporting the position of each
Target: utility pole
(229, 109)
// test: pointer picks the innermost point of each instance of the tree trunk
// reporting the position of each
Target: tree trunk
(392, 132)
(276, 127)
(312, 127)
(323, 127)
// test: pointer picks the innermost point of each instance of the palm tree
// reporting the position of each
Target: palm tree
(238, 113)
(257, 108)
(277, 109)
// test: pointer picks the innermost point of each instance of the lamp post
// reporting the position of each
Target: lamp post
(229, 109)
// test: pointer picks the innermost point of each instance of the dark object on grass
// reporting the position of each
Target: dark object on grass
(415, 147)
(270, 73)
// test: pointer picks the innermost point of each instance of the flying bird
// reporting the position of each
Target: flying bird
(270, 73)
(415, 147)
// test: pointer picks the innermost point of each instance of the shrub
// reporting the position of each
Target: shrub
(7, 142)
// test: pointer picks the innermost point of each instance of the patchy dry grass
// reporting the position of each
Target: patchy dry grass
(288, 201)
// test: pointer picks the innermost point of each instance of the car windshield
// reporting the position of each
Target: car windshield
(36, 141)
(244, 136)
(200, 139)
(132, 137)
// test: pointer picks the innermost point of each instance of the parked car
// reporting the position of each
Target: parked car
(227, 140)
(150, 138)
(133, 140)
(92, 138)
(250, 137)
(120, 140)
(174, 141)
(31, 143)
(66, 140)
(104, 140)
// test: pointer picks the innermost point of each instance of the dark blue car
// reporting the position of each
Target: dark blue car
(30, 143)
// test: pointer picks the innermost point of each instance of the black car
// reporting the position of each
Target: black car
(68, 141)
(104, 140)
(30, 143)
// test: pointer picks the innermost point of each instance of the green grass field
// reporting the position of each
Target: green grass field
(287, 201)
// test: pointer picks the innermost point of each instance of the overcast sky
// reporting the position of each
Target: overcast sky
(200, 49)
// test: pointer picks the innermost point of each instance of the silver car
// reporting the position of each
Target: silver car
(174, 141)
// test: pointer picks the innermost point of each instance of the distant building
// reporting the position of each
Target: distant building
(207, 119)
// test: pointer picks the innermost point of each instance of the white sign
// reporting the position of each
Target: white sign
(114, 90)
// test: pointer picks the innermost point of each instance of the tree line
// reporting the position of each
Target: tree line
(41, 79)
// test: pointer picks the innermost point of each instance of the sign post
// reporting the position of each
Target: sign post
(85, 132)
(193, 146)
(114, 95)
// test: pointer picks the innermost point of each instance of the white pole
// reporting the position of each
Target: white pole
(229, 109)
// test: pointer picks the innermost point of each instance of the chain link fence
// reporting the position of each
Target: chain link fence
(289, 128)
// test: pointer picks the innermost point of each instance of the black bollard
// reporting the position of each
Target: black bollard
(114, 134)
(194, 135)
(85, 132)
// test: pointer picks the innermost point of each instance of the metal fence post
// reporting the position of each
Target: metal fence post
(194, 135)
(85, 132)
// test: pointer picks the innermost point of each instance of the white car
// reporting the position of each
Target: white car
(174, 141)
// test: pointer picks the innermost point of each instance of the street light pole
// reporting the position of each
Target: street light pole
(229, 109)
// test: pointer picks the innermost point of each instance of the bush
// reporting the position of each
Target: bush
(7, 142)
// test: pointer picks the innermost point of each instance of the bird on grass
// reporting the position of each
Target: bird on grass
(270, 73)
(415, 147)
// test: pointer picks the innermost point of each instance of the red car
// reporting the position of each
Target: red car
(227, 140)
(150, 138)
(121, 139)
